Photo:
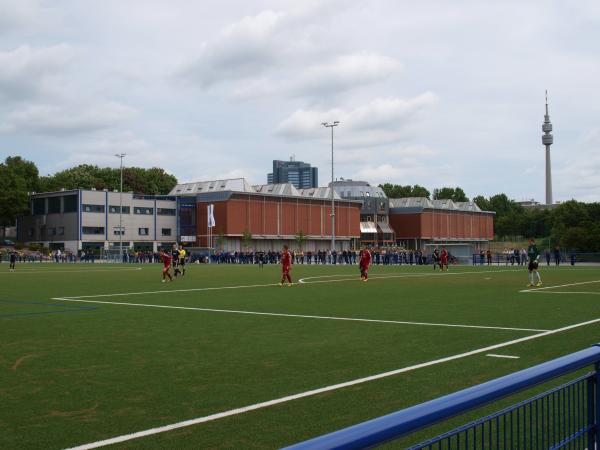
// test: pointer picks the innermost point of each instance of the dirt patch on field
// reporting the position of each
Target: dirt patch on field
(84, 414)
(20, 361)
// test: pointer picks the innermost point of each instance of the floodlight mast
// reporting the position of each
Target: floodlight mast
(332, 125)
(121, 156)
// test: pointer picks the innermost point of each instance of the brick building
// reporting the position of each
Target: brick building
(420, 223)
(272, 214)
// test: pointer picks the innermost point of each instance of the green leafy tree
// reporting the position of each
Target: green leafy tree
(154, 181)
(454, 194)
(419, 191)
(246, 239)
(483, 203)
(398, 191)
(18, 177)
(220, 240)
(301, 239)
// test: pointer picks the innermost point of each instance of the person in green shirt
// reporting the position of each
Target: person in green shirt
(534, 256)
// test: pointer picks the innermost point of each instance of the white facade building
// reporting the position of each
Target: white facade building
(89, 219)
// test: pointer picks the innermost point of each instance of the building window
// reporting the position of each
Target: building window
(60, 231)
(118, 232)
(92, 230)
(143, 231)
(166, 232)
(39, 206)
(70, 203)
(93, 208)
(143, 211)
(51, 231)
(30, 232)
(165, 211)
(53, 205)
(115, 209)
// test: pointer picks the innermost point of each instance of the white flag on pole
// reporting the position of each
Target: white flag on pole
(211, 216)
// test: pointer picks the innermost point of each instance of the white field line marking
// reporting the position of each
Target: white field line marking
(249, 286)
(37, 271)
(302, 316)
(348, 277)
(493, 355)
(232, 412)
(169, 291)
(558, 286)
(566, 292)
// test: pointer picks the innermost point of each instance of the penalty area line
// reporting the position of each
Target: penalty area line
(301, 316)
(333, 387)
(558, 286)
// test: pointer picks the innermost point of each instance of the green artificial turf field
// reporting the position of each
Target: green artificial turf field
(86, 355)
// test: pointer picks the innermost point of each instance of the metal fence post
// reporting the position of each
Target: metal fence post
(596, 407)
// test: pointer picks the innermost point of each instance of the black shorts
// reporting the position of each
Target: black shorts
(182, 262)
(533, 265)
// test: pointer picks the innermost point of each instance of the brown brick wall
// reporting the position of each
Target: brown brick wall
(275, 216)
(443, 225)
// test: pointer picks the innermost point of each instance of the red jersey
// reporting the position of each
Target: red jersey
(365, 258)
(166, 259)
(286, 259)
(444, 255)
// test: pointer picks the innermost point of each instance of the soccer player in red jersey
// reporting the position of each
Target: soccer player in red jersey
(444, 259)
(166, 259)
(365, 262)
(286, 266)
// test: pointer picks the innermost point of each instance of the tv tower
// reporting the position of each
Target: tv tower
(548, 140)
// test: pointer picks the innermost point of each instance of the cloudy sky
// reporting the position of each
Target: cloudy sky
(434, 93)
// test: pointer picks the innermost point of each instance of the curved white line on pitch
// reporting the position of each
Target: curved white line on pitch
(405, 275)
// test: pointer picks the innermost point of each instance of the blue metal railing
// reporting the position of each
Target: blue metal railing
(565, 417)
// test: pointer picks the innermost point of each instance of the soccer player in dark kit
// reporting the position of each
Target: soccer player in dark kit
(166, 259)
(365, 262)
(534, 256)
(435, 258)
(175, 261)
(13, 260)
(286, 266)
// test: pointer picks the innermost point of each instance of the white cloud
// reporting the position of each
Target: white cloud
(242, 49)
(381, 121)
(27, 71)
(343, 73)
(66, 119)
(579, 176)
(22, 14)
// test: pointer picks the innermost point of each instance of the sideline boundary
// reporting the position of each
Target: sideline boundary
(37, 271)
(310, 393)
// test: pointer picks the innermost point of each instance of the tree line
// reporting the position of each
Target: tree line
(572, 225)
(19, 177)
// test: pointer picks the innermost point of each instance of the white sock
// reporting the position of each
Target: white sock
(530, 277)
(538, 277)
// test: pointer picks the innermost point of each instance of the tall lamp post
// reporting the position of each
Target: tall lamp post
(331, 125)
(121, 156)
